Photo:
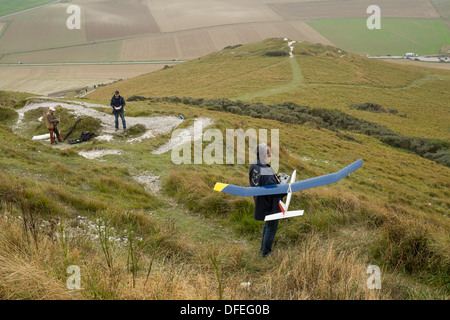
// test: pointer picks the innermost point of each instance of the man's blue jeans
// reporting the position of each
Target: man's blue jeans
(268, 235)
(122, 116)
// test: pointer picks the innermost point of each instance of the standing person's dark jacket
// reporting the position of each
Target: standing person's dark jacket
(117, 102)
(262, 175)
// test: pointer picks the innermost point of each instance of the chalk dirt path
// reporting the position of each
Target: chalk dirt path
(155, 125)
(297, 78)
(158, 125)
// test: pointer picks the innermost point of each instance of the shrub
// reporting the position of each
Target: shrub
(137, 129)
(442, 157)
(233, 47)
(7, 114)
(371, 107)
(12, 100)
(137, 98)
(276, 53)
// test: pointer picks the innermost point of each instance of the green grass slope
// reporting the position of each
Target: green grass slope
(230, 72)
(392, 213)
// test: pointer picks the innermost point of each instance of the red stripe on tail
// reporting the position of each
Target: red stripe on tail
(281, 207)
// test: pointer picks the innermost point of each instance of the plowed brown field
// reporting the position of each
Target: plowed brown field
(195, 43)
(115, 18)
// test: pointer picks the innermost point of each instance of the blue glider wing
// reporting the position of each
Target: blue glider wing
(283, 188)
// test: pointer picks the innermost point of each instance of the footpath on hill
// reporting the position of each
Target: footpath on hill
(297, 79)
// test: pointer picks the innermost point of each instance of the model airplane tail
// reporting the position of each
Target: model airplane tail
(288, 214)
(285, 206)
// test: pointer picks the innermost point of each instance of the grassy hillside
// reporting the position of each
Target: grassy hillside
(319, 77)
(186, 241)
(230, 72)
(392, 213)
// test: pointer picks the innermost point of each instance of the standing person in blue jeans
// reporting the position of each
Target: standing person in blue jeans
(262, 174)
(118, 104)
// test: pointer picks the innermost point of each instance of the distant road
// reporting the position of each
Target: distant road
(49, 64)
(29, 9)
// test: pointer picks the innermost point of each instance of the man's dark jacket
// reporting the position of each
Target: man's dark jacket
(262, 175)
(117, 102)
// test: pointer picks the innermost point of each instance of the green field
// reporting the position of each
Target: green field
(396, 36)
(12, 6)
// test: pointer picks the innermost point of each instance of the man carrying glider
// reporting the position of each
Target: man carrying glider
(52, 123)
(267, 192)
(118, 104)
(261, 174)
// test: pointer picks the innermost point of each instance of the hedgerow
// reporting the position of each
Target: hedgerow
(335, 120)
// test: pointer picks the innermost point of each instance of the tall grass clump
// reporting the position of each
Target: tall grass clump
(414, 248)
(15, 100)
(318, 271)
(180, 186)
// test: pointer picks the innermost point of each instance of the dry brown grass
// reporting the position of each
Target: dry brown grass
(182, 268)
(319, 271)
(26, 272)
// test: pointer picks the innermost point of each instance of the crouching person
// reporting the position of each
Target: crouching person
(52, 123)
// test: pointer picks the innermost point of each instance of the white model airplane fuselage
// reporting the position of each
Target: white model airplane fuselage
(284, 207)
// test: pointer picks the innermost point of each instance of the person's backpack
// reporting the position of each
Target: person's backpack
(85, 136)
